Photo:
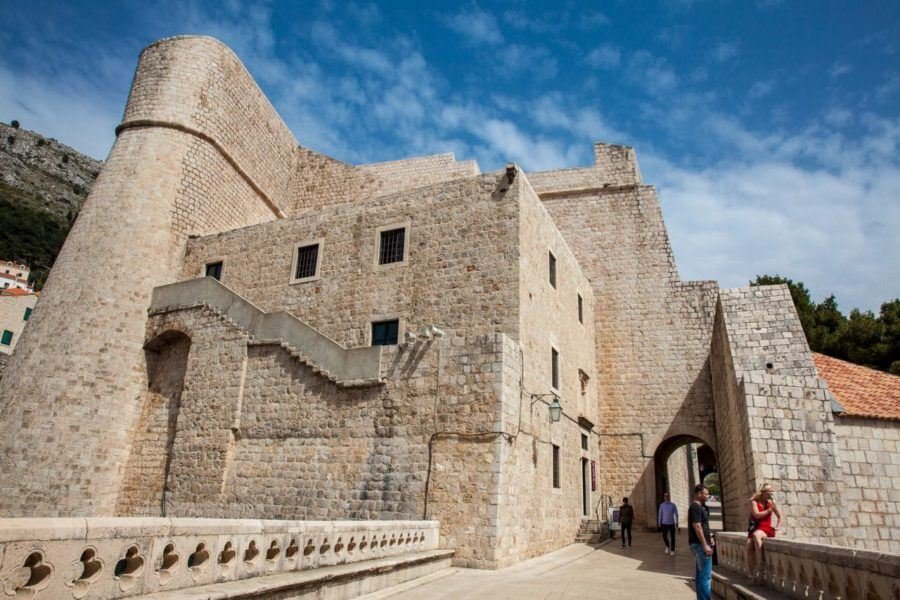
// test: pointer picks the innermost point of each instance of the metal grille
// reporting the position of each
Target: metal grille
(307, 257)
(392, 243)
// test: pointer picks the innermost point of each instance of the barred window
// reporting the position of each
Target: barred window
(214, 270)
(307, 261)
(392, 246)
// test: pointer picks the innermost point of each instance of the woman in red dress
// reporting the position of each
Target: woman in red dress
(762, 507)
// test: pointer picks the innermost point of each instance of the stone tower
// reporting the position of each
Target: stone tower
(200, 150)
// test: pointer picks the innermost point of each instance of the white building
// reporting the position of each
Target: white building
(14, 275)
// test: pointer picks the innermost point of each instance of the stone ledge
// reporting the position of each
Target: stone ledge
(277, 585)
(732, 586)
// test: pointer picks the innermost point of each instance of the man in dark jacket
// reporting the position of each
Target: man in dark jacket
(626, 517)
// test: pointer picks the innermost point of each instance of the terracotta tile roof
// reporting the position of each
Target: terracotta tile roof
(15, 292)
(862, 391)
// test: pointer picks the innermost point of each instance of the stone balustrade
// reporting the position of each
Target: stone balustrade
(804, 570)
(102, 558)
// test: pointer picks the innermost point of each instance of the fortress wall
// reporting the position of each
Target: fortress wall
(419, 171)
(198, 84)
(614, 166)
(78, 371)
(652, 335)
(790, 428)
(461, 241)
(869, 451)
(260, 434)
(192, 156)
(736, 473)
(536, 517)
(321, 181)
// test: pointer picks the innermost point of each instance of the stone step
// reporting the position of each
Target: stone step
(339, 581)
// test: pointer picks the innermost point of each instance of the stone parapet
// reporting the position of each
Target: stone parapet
(104, 558)
(805, 570)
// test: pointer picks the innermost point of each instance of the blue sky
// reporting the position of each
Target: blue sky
(770, 128)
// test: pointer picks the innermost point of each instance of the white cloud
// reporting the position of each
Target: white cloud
(723, 51)
(605, 56)
(839, 69)
(476, 25)
(761, 89)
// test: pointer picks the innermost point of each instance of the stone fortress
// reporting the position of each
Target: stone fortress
(388, 341)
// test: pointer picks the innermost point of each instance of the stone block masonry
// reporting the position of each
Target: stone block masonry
(508, 291)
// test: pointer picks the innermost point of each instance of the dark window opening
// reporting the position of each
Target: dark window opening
(552, 269)
(555, 466)
(584, 442)
(554, 368)
(27, 314)
(580, 309)
(7, 337)
(214, 270)
(307, 259)
(384, 333)
(392, 246)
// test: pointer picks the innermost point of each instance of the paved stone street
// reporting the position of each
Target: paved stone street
(642, 572)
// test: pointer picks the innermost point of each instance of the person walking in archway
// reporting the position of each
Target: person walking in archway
(762, 507)
(626, 518)
(667, 519)
(701, 542)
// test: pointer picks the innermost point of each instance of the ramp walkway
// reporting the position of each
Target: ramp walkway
(578, 571)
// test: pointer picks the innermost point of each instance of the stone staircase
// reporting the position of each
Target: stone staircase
(592, 531)
(345, 367)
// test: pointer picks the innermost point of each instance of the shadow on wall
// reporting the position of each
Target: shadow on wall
(144, 488)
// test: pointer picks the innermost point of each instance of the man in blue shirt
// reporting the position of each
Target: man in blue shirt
(667, 519)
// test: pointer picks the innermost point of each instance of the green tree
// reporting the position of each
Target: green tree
(890, 320)
(860, 339)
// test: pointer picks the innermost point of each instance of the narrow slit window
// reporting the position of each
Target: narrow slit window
(556, 466)
(552, 266)
(307, 261)
(385, 333)
(584, 442)
(393, 245)
(580, 309)
(554, 368)
(214, 270)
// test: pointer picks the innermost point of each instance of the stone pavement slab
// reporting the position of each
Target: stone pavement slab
(579, 571)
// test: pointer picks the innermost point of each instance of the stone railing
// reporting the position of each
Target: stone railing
(347, 367)
(805, 570)
(102, 558)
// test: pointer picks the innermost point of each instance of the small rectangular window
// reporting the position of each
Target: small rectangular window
(554, 368)
(552, 266)
(584, 442)
(307, 261)
(391, 250)
(580, 309)
(214, 270)
(385, 333)
(7, 337)
(27, 314)
(555, 466)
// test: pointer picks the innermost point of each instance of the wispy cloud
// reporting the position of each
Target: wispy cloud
(476, 25)
(723, 51)
(605, 56)
(839, 68)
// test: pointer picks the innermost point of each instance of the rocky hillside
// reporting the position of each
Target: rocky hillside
(42, 186)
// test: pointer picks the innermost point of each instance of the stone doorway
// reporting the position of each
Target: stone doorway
(680, 463)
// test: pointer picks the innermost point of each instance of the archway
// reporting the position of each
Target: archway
(680, 462)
